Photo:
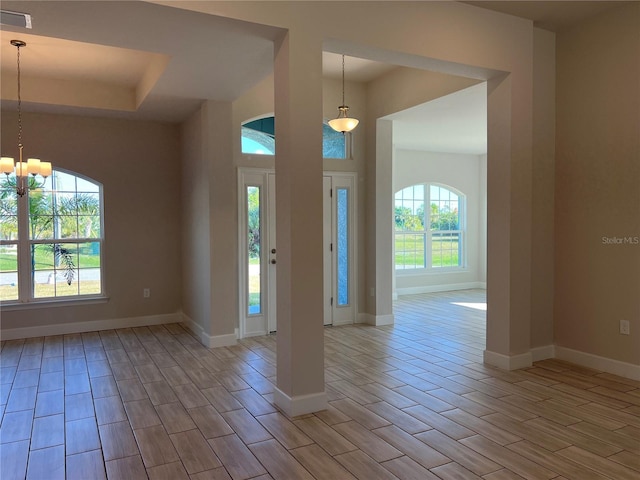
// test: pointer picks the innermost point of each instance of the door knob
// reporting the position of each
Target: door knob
(273, 261)
(273, 250)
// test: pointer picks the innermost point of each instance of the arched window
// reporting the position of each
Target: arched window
(258, 138)
(51, 239)
(432, 237)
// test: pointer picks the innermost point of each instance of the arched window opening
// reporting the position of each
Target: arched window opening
(51, 240)
(432, 237)
(258, 138)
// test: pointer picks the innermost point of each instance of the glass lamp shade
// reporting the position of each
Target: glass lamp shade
(343, 124)
(6, 165)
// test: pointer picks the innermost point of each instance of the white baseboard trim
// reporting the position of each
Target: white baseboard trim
(507, 362)
(89, 326)
(300, 404)
(616, 367)
(376, 320)
(210, 341)
(439, 288)
(215, 341)
(543, 353)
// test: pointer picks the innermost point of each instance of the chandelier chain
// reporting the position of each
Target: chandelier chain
(342, 79)
(19, 102)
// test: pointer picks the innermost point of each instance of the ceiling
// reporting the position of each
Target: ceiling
(161, 62)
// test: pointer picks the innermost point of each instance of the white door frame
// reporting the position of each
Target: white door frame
(265, 322)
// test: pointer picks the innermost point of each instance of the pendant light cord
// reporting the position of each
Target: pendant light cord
(19, 103)
(343, 79)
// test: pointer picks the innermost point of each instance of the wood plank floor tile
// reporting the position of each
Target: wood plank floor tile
(458, 453)
(395, 416)
(49, 403)
(282, 429)
(278, 461)
(190, 396)
(86, 465)
(627, 459)
(246, 426)
(141, 414)
(194, 451)
(174, 417)
(454, 471)
(117, 441)
(367, 441)
(439, 422)
(81, 436)
(359, 413)
(13, 459)
(16, 426)
(155, 446)
(502, 456)
(22, 399)
(325, 436)
(160, 393)
(486, 429)
(408, 469)
(236, 457)
(128, 468)
(527, 431)
(210, 422)
(221, 399)
(254, 402)
(598, 463)
(47, 463)
(554, 462)
(320, 464)
(411, 446)
(169, 471)
(109, 410)
(363, 466)
(48, 432)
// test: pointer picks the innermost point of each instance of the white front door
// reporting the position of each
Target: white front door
(258, 251)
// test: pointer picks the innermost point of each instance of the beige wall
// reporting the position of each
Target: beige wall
(598, 186)
(138, 166)
(542, 258)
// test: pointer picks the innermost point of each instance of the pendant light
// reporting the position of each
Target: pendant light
(32, 166)
(343, 123)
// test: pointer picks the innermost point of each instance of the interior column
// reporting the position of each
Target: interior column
(298, 113)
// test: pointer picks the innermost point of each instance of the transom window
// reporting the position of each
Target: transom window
(433, 237)
(51, 239)
(258, 138)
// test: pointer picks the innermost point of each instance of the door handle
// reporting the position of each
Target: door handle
(273, 261)
(273, 250)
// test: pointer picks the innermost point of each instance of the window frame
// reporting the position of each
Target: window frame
(428, 234)
(25, 271)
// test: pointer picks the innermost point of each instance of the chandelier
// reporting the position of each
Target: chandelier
(343, 123)
(32, 166)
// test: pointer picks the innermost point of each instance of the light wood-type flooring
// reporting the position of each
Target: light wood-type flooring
(409, 401)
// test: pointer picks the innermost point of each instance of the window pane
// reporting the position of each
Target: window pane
(40, 227)
(89, 281)
(9, 272)
(333, 143)
(343, 246)
(445, 249)
(410, 251)
(254, 229)
(257, 143)
(8, 227)
(43, 257)
(85, 186)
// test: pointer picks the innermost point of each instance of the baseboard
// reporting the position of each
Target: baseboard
(543, 353)
(439, 288)
(89, 326)
(616, 367)
(507, 362)
(300, 404)
(210, 341)
(376, 320)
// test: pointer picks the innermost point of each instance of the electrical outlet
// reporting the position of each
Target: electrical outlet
(625, 329)
(146, 293)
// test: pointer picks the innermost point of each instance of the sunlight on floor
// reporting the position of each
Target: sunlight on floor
(475, 306)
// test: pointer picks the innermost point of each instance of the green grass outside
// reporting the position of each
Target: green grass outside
(44, 259)
(45, 290)
(409, 251)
